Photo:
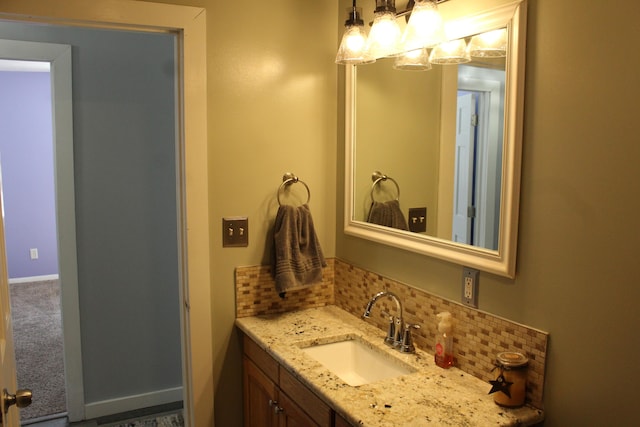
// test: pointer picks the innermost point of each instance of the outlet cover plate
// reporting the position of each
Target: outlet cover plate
(470, 287)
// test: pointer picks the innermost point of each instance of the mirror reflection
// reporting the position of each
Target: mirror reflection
(429, 147)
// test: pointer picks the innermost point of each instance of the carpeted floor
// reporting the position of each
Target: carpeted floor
(37, 333)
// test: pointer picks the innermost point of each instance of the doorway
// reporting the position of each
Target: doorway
(190, 25)
(133, 228)
(31, 233)
(481, 95)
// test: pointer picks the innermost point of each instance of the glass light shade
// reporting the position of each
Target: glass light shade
(425, 27)
(384, 37)
(414, 60)
(490, 44)
(451, 52)
(353, 47)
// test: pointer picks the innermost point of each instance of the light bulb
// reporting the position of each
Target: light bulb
(425, 27)
(384, 37)
(490, 44)
(451, 52)
(414, 60)
(353, 45)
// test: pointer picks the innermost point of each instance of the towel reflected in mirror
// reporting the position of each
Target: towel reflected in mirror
(387, 214)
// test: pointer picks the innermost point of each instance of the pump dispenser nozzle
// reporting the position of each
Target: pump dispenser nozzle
(445, 325)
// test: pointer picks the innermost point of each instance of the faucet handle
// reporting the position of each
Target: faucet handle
(390, 339)
(407, 341)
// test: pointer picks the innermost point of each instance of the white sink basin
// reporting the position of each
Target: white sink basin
(356, 362)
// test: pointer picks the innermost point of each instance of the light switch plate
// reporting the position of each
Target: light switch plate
(235, 231)
(418, 220)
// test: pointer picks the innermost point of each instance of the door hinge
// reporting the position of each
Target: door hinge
(471, 212)
(474, 120)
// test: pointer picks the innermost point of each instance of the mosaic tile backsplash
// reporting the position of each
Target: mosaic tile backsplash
(256, 292)
(478, 336)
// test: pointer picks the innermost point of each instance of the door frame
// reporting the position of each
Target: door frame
(189, 25)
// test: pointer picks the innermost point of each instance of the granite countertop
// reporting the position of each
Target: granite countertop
(429, 396)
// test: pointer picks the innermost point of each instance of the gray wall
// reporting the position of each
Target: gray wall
(125, 177)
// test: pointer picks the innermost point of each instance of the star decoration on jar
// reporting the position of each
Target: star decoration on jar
(501, 384)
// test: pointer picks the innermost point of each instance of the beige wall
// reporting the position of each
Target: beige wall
(272, 109)
(398, 138)
(579, 233)
(273, 105)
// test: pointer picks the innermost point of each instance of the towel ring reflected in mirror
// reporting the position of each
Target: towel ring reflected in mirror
(290, 179)
(378, 177)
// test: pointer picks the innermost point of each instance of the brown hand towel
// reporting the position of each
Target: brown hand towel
(298, 258)
(387, 214)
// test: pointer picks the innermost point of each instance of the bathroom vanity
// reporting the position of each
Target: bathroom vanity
(284, 385)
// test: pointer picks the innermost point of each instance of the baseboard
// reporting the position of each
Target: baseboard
(34, 279)
(131, 403)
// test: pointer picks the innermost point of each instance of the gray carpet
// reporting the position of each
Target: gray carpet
(37, 333)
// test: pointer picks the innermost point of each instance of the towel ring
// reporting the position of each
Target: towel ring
(289, 179)
(377, 177)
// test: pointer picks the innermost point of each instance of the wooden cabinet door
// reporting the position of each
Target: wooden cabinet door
(260, 393)
(291, 414)
(341, 422)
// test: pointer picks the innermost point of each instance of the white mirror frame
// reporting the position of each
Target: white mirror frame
(463, 18)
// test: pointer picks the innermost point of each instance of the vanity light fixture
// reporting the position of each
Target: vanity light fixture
(425, 28)
(424, 31)
(353, 47)
(385, 34)
(490, 44)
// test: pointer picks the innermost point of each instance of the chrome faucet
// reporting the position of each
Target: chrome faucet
(398, 334)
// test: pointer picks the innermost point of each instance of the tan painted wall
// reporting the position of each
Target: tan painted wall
(272, 109)
(273, 102)
(579, 238)
(400, 112)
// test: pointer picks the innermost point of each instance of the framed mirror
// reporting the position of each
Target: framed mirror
(433, 157)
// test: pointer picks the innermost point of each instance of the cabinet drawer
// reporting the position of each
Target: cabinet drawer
(261, 358)
(306, 399)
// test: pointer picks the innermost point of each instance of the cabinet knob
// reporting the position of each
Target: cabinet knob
(274, 404)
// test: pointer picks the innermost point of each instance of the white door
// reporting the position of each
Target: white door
(8, 383)
(463, 178)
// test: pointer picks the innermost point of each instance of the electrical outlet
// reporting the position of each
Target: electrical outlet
(33, 253)
(470, 287)
(235, 231)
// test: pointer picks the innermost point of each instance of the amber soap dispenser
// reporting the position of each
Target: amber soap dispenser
(444, 341)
